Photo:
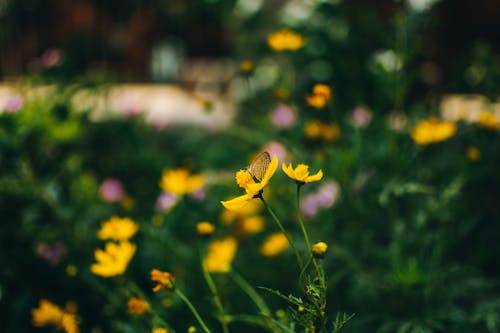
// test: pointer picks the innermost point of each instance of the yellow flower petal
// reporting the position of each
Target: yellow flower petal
(237, 203)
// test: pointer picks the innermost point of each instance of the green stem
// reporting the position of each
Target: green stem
(304, 232)
(193, 310)
(250, 291)
(215, 295)
(288, 238)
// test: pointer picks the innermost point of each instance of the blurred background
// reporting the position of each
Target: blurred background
(98, 98)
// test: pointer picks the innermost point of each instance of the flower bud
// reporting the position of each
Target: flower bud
(319, 249)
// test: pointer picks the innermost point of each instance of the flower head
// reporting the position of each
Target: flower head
(251, 225)
(164, 280)
(159, 330)
(285, 40)
(489, 120)
(274, 245)
(137, 306)
(283, 116)
(118, 229)
(111, 190)
(246, 66)
(48, 313)
(301, 173)
(322, 94)
(220, 255)
(181, 181)
(114, 259)
(473, 153)
(315, 129)
(253, 189)
(205, 229)
(166, 201)
(13, 104)
(432, 130)
(319, 249)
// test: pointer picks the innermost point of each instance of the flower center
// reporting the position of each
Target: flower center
(243, 178)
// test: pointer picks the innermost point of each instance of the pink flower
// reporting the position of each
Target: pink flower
(324, 197)
(14, 103)
(166, 201)
(51, 253)
(278, 149)
(361, 117)
(397, 121)
(198, 195)
(283, 116)
(309, 206)
(327, 194)
(50, 57)
(129, 105)
(111, 190)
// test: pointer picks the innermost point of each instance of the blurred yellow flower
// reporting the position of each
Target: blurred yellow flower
(274, 245)
(159, 330)
(251, 225)
(488, 120)
(137, 306)
(315, 129)
(114, 259)
(220, 255)
(119, 229)
(48, 313)
(319, 249)
(285, 40)
(164, 280)
(246, 66)
(228, 216)
(205, 229)
(322, 94)
(432, 130)
(181, 181)
(253, 189)
(301, 173)
(473, 153)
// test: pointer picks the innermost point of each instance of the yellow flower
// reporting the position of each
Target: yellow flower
(285, 40)
(48, 313)
(180, 181)
(229, 216)
(313, 129)
(488, 120)
(114, 259)
(330, 132)
(205, 229)
(251, 225)
(137, 305)
(319, 249)
(246, 66)
(119, 229)
(220, 255)
(301, 173)
(253, 189)
(165, 280)
(274, 245)
(432, 130)
(159, 330)
(473, 153)
(322, 94)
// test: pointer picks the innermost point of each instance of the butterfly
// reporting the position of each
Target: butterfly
(259, 165)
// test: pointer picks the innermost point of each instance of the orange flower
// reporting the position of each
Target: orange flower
(165, 280)
(285, 40)
(432, 130)
(220, 255)
(138, 306)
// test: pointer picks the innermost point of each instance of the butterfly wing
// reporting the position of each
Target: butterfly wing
(259, 165)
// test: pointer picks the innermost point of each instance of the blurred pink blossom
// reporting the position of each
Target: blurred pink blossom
(166, 201)
(361, 117)
(278, 149)
(198, 195)
(397, 121)
(50, 57)
(283, 116)
(324, 197)
(328, 194)
(309, 205)
(111, 190)
(14, 103)
(129, 105)
(51, 253)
